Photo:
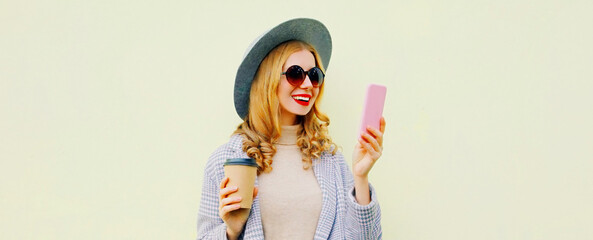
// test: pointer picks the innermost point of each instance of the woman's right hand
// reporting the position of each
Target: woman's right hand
(230, 209)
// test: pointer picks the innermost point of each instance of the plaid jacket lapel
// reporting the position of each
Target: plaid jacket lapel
(325, 172)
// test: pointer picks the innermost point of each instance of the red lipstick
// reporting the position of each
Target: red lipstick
(302, 99)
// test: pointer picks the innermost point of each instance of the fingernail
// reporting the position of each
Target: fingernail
(238, 199)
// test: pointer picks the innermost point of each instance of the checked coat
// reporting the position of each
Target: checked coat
(341, 216)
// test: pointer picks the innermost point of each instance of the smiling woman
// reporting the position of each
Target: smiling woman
(301, 91)
(303, 188)
(275, 102)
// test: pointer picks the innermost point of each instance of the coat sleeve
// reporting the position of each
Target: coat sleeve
(210, 225)
(362, 221)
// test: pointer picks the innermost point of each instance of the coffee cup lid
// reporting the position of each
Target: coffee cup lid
(241, 161)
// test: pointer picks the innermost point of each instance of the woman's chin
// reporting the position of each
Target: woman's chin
(301, 112)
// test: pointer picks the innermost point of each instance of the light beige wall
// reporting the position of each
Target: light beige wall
(109, 110)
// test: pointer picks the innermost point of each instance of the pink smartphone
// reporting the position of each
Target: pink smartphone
(373, 107)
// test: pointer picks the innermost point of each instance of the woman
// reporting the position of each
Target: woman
(304, 189)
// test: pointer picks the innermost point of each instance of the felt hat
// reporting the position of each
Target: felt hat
(306, 30)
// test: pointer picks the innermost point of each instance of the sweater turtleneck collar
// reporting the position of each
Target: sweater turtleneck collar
(288, 136)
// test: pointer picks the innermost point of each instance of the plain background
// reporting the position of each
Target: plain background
(109, 110)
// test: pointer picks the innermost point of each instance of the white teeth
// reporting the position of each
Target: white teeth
(306, 99)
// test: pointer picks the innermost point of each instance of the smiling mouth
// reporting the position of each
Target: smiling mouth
(302, 99)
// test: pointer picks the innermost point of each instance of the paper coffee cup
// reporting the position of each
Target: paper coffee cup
(241, 173)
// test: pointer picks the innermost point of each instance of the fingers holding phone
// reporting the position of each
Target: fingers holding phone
(370, 141)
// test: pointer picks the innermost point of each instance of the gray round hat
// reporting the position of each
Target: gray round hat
(306, 30)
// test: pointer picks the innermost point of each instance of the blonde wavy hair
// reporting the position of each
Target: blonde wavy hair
(261, 127)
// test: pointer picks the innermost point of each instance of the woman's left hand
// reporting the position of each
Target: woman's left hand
(368, 150)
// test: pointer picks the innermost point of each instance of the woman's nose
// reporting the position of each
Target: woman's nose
(307, 83)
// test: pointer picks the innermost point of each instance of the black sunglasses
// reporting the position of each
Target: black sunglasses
(296, 75)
